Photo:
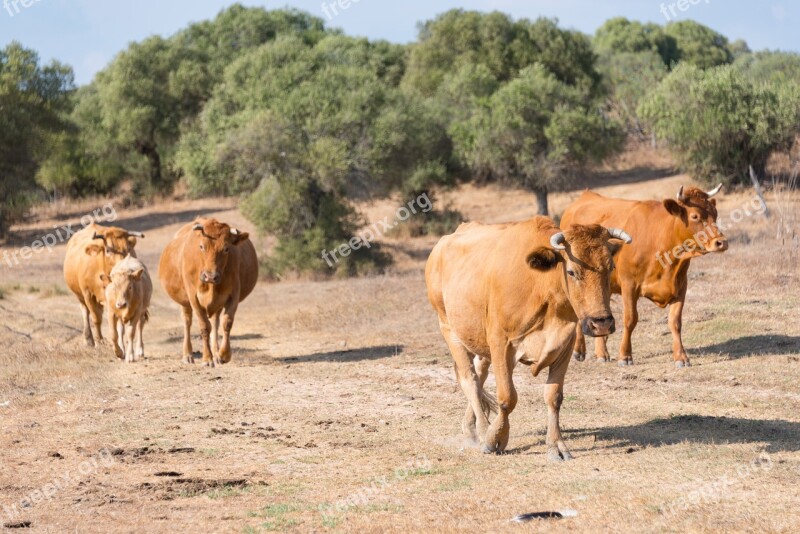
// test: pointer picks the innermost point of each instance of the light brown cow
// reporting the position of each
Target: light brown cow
(93, 251)
(514, 292)
(128, 293)
(209, 268)
(669, 234)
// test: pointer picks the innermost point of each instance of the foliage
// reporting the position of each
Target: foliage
(622, 36)
(718, 122)
(33, 99)
(459, 38)
(768, 66)
(534, 130)
(699, 45)
(629, 77)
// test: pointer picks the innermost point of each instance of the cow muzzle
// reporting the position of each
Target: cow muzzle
(718, 244)
(121, 305)
(598, 326)
(210, 278)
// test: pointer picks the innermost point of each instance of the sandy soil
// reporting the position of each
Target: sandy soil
(340, 410)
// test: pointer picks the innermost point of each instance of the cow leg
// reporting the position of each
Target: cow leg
(553, 396)
(96, 316)
(130, 338)
(228, 313)
(87, 330)
(468, 426)
(504, 359)
(139, 340)
(631, 317)
(188, 356)
(601, 349)
(676, 325)
(205, 333)
(579, 351)
(115, 333)
(215, 333)
(468, 380)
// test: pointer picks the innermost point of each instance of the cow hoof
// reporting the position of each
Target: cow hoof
(681, 364)
(188, 359)
(602, 360)
(625, 363)
(578, 357)
(209, 363)
(553, 455)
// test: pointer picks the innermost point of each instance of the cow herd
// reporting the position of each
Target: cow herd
(208, 269)
(526, 292)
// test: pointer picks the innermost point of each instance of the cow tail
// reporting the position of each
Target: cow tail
(488, 403)
(146, 316)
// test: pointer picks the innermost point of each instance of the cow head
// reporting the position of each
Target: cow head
(695, 213)
(119, 285)
(113, 244)
(214, 240)
(585, 254)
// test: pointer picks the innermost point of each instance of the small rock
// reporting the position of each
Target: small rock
(55, 454)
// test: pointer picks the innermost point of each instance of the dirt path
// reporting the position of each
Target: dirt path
(340, 411)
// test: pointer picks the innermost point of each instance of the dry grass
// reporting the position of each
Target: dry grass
(340, 411)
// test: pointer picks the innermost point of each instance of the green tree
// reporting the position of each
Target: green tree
(33, 101)
(620, 35)
(534, 131)
(504, 46)
(699, 45)
(628, 78)
(718, 122)
(769, 66)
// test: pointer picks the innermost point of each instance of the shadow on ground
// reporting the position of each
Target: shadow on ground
(754, 345)
(779, 435)
(354, 355)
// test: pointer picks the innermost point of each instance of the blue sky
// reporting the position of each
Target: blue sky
(88, 33)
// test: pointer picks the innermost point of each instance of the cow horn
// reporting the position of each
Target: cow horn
(197, 226)
(136, 234)
(680, 195)
(620, 234)
(714, 191)
(557, 241)
(234, 231)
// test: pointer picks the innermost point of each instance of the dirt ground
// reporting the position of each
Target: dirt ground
(340, 410)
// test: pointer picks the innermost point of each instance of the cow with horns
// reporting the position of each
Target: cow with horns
(208, 269)
(670, 234)
(91, 255)
(514, 293)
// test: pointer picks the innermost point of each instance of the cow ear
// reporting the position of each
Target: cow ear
(713, 202)
(614, 246)
(240, 237)
(131, 241)
(93, 250)
(137, 275)
(105, 279)
(674, 208)
(543, 259)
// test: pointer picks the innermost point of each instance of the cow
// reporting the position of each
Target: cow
(93, 251)
(209, 268)
(670, 233)
(128, 293)
(514, 292)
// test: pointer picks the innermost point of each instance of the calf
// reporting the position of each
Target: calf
(128, 293)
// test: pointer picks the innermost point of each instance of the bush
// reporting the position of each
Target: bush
(717, 122)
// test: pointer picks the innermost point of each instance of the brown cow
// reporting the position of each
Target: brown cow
(514, 292)
(669, 234)
(93, 251)
(128, 293)
(209, 268)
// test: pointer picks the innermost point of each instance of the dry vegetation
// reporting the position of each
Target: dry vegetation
(345, 388)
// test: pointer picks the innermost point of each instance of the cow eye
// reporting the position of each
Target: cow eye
(571, 273)
(695, 217)
(226, 250)
(202, 247)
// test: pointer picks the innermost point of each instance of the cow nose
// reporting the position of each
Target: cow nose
(210, 278)
(122, 305)
(720, 244)
(598, 326)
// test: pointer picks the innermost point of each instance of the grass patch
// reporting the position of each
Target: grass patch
(55, 290)
(277, 517)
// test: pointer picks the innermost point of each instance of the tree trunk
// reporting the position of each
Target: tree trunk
(150, 151)
(541, 200)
